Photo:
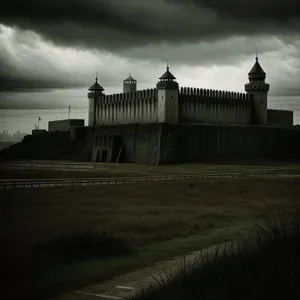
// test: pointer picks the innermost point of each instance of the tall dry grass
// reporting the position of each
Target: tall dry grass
(264, 264)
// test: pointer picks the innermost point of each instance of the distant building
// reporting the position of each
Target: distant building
(17, 136)
(64, 125)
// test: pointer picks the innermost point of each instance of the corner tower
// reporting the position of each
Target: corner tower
(259, 89)
(94, 94)
(167, 98)
(129, 85)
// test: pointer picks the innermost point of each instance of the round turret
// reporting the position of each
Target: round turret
(258, 90)
(94, 95)
(129, 79)
(257, 78)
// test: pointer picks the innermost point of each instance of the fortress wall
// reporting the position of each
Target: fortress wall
(126, 108)
(277, 117)
(200, 143)
(140, 141)
(178, 143)
(195, 106)
(213, 106)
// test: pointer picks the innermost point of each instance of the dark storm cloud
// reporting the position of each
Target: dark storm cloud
(16, 80)
(15, 74)
(27, 63)
(273, 10)
(119, 24)
(157, 30)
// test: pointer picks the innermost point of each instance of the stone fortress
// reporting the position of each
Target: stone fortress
(167, 103)
(172, 124)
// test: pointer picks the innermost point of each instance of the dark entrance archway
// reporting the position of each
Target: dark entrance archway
(98, 156)
(104, 154)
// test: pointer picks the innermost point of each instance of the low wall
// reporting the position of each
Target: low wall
(198, 143)
(64, 125)
(277, 117)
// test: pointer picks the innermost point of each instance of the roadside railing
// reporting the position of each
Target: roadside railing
(46, 165)
(39, 183)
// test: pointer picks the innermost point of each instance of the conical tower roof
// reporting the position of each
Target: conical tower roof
(257, 71)
(167, 75)
(96, 86)
(167, 81)
(129, 78)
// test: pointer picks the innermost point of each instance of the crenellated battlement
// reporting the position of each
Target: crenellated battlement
(125, 97)
(281, 110)
(257, 87)
(215, 94)
(279, 117)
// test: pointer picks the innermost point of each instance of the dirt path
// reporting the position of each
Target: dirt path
(127, 285)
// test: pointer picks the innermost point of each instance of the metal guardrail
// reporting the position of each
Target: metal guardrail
(39, 183)
(42, 165)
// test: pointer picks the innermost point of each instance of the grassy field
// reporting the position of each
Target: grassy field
(121, 170)
(159, 220)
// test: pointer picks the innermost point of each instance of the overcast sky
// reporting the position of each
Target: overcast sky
(60, 44)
